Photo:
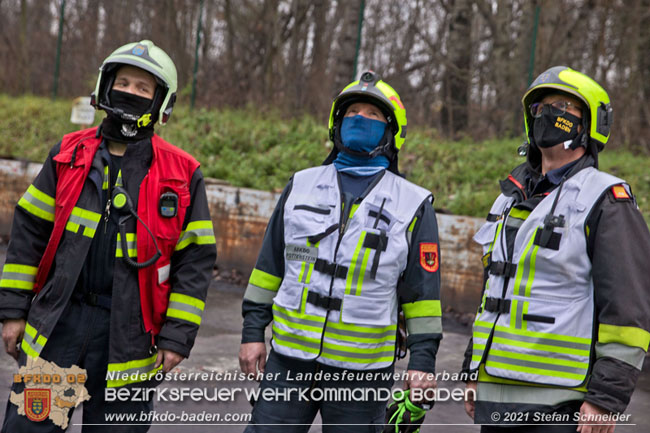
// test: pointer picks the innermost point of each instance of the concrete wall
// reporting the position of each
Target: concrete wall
(240, 216)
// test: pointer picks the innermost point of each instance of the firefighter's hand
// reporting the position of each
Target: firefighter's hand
(419, 380)
(591, 414)
(469, 400)
(252, 357)
(12, 333)
(169, 359)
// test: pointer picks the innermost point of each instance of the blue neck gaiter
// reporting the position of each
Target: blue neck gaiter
(362, 135)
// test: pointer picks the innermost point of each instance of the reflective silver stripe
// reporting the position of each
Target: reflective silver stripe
(353, 353)
(484, 329)
(18, 276)
(196, 233)
(545, 341)
(83, 221)
(424, 325)
(297, 320)
(259, 294)
(38, 203)
(502, 393)
(514, 222)
(519, 313)
(32, 343)
(630, 355)
(185, 307)
(534, 364)
(298, 341)
(358, 334)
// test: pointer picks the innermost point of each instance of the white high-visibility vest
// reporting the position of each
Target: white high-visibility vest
(541, 321)
(337, 302)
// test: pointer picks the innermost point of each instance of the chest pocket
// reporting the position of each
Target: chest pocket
(313, 220)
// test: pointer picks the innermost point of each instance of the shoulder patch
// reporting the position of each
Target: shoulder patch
(620, 193)
(429, 257)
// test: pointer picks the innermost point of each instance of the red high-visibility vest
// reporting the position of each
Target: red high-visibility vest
(171, 170)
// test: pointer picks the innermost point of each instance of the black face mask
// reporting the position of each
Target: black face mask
(122, 124)
(550, 130)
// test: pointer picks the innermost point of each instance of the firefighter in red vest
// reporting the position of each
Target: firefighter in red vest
(111, 247)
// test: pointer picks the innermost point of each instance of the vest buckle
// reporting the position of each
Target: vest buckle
(497, 305)
(326, 302)
(503, 268)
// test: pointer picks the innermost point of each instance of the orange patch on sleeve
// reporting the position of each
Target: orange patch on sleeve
(620, 193)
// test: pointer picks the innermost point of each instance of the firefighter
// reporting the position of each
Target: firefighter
(111, 248)
(350, 243)
(562, 328)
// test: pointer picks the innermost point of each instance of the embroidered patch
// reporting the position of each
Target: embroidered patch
(620, 193)
(37, 404)
(301, 253)
(429, 257)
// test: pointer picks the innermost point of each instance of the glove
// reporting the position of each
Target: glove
(403, 416)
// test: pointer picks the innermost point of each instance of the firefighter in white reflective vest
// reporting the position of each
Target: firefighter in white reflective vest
(562, 328)
(349, 244)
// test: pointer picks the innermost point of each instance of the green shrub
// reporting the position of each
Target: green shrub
(261, 150)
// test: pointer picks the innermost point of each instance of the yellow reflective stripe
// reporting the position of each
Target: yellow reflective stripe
(335, 325)
(412, 226)
(17, 276)
(118, 182)
(37, 203)
(188, 300)
(533, 370)
(364, 264)
(105, 182)
(353, 209)
(28, 345)
(303, 265)
(83, 217)
(141, 370)
(521, 214)
(521, 266)
(311, 266)
(422, 309)
(40, 195)
(496, 236)
(539, 346)
(513, 311)
(183, 315)
(332, 334)
(539, 334)
(185, 307)
(279, 339)
(265, 280)
(483, 376)
(349, 280)
(314, 343)
(627, 335)
(538, 358)
(197, 232)
(131, 244)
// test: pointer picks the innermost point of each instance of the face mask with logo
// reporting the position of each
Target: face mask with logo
(550, 130)
(126, 123)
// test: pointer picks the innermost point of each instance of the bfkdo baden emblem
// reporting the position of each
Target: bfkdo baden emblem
(37, 404)
(429, 257)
